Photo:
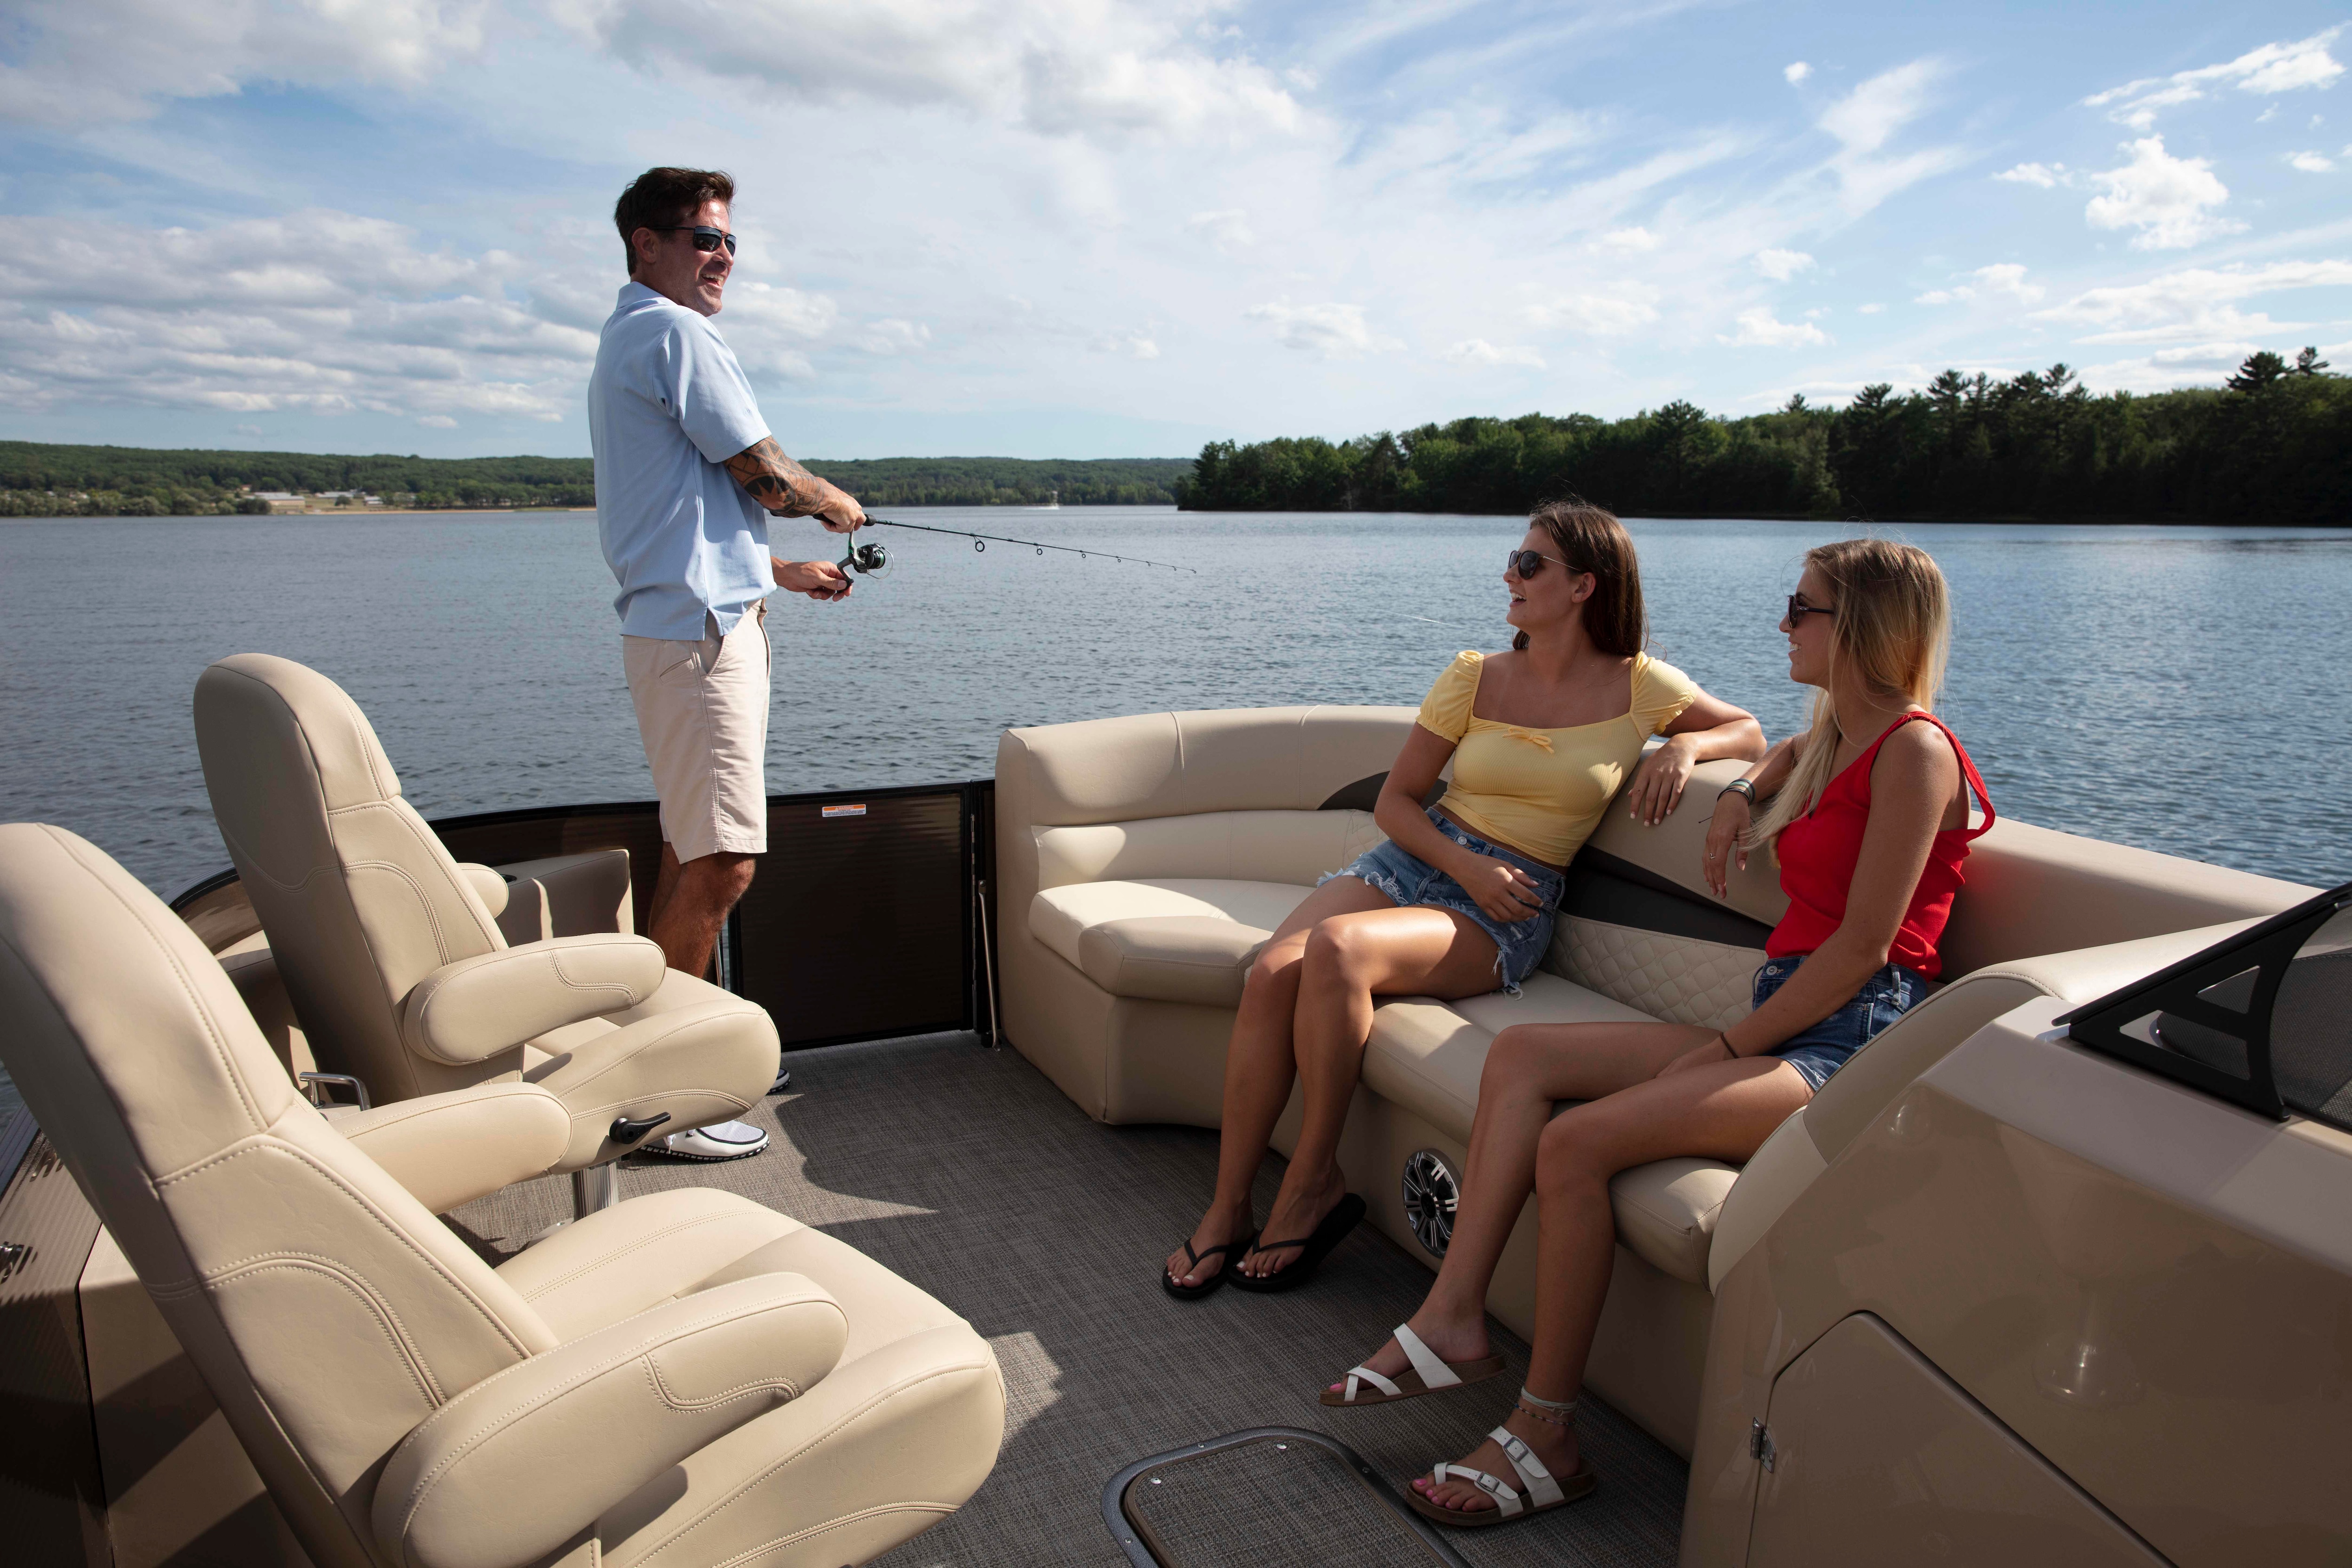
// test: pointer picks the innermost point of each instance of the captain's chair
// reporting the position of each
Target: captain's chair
(686, 1380)
(397, 968)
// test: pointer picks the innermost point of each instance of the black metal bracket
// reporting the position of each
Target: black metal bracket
(625, 1131)
(2184, 990)
(1133, 1538)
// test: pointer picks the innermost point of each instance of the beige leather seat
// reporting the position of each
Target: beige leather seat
(396, 967)
(687, 1379)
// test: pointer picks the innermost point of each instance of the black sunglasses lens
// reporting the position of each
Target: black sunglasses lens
(710, 239)
(1526, 563)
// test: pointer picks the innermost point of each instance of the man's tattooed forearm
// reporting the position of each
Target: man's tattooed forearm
(776, 481)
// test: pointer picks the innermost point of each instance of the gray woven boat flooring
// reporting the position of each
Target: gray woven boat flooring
(966, 1171)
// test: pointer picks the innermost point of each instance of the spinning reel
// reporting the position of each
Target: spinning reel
(867, 559)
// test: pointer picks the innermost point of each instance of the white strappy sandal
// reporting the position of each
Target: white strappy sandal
(1541, 1495)
(1428, 1374)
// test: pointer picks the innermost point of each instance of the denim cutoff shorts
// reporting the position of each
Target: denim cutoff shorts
(1520, 945)
(1819, 1051)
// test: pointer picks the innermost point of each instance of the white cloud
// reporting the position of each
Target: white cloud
(1866, 119)
(1629, 241)
(89, 62)
(2002, 280)
(2198, 364)
(2199, 303)
(1479, 351)
(2162, 196)
(891, 336)
(1871, 309)
(1796, 72)
(2274, 67)
(2046, 175)
(1227, 229)
(2310, 162)
(1782, 265)
(1760, 329)
(1622, 310)
(430, 421)
(1135, 345)
(1328, 331)
(1097, 69)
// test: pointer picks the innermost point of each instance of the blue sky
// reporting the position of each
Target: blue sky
(1097, 227)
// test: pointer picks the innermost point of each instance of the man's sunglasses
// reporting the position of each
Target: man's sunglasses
(1527, 563)
(706, 239)
(1799, 610)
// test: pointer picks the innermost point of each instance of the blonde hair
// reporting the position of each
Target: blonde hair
(1891, 623)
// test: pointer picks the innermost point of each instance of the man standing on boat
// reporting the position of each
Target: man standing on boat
(687, 475)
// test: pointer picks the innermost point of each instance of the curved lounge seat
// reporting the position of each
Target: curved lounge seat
(397, 968)
(684, 1379)
(1142, 860)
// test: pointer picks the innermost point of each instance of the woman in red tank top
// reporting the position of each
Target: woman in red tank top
(1868, 814)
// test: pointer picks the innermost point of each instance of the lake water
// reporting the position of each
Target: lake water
(2174, 688)
(2180, 688)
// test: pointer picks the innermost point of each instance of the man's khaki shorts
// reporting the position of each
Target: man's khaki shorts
(702, 708)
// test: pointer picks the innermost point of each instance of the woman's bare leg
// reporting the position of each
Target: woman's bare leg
(1260, 1067)
(1528, 1067)
(1723, 1111)
(1349, 960)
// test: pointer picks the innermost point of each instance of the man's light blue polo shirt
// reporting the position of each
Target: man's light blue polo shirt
(667, 404)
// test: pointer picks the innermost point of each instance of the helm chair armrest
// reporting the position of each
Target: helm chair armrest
(473, 1009)
(490, 885)
(450, 1149)
(521, 1462)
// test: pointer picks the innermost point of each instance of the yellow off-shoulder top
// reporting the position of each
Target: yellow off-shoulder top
(1541, 792)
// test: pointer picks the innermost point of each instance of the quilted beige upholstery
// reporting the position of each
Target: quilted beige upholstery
(1678, 978)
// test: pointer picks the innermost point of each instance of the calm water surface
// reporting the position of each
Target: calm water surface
(2174, 688)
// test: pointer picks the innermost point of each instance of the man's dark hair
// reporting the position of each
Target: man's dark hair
(667, 198)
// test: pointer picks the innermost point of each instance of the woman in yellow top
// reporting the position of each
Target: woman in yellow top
(1460, 900)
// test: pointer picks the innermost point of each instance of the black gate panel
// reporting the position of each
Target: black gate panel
(858, 925)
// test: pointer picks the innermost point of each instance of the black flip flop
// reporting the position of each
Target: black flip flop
(1345, 1217)
(1195, 1292)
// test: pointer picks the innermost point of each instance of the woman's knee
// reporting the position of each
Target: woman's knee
(1334, 953)
(1567, 1162)
(1273, 975)
(1511, 1059)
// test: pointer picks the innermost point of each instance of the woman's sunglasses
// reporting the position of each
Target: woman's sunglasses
(706, 239)
(1799, 610)
(1527, 563)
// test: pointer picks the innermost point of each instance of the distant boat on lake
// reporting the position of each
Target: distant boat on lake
(1053, 502)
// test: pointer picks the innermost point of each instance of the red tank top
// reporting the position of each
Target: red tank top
(1818, 850)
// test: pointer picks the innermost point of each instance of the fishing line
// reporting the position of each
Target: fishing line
(874, 559)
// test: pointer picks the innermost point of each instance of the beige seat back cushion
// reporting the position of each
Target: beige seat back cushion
(1292, 846)
(1180, 764)
(359, 898)
(326, 1309)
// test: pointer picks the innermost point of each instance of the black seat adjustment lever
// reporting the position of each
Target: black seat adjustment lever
(625, 1131)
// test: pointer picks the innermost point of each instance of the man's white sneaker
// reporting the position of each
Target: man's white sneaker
(721, 1140)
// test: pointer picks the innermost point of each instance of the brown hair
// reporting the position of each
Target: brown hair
(665, 199)
(1891, 621)
(1591, 539)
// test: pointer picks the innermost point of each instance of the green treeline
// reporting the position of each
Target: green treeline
(2275, 445)
(42, 481)
(1006, 482)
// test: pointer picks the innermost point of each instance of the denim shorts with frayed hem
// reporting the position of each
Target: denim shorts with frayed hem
(1520, 945)
(1820, 1051)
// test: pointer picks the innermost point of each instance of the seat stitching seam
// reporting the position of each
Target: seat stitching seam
(277, 1145)
(784, 1462)
(394, 1329)
(505, 1419)
(187, 988)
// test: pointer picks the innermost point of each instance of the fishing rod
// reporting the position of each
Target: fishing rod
(874, 559)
